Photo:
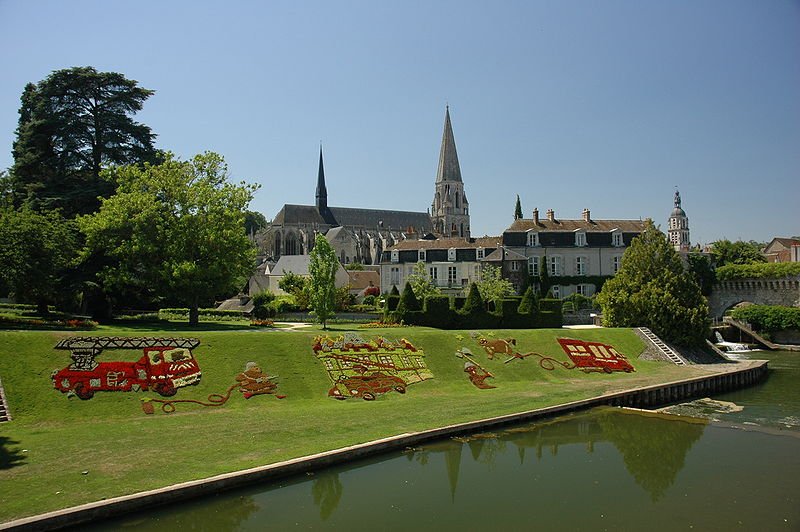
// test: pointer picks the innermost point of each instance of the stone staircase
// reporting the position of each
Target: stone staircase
(662, 347)
(5, 415)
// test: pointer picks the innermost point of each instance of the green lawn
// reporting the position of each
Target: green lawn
(53, 439)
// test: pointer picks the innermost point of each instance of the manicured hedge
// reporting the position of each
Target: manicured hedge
(768, 317)
(214, 314)
(439, 312)
(763, 270)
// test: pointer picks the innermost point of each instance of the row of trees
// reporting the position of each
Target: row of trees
(93, 215)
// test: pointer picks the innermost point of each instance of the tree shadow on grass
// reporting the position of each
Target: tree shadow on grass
(10, 455)
(181, 326)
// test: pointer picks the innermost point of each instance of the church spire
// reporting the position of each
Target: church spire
(449, 170)
(322, 191)
(450, 208)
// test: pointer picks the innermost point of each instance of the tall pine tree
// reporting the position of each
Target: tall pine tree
(71, 125)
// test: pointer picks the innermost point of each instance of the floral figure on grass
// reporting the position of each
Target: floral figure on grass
(367, 369)
(252, 381)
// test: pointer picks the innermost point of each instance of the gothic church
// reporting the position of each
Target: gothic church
(361, 235)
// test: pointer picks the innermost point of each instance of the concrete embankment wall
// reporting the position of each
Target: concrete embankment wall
(730, 377)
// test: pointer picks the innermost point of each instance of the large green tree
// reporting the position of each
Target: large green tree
(36, 250)
(739, 252)
(174, 230)
(422, 284)
(492, 286)
(71, 125)
(322, 268)
(652, 289)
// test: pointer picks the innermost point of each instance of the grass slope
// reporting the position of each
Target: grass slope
(53, 439)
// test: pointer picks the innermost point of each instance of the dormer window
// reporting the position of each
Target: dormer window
(480, 253)
(616, 238)
(533, 239)
(580, 238)
(395, 255)
(451, 254)
(421, 255)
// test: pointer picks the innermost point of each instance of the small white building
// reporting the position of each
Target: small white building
(298, 265)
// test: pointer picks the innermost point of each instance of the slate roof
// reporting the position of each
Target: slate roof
(297, 264)
(447, 243)
(510, 254)
(349, 217)
(592, 226)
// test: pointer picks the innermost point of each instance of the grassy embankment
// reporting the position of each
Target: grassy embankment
(53, 439)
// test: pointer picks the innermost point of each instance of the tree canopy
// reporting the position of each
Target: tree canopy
(36, 250)
(739, 252)
(174, 229)
(492, 286)
(518, 209)
(653, 290)
(322, 267)
(422, 284)
(71, 125)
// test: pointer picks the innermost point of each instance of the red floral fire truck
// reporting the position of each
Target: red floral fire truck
(594, 356)
(166, 365)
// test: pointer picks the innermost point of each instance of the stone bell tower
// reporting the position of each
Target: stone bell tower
(450, 208)
(678, 231)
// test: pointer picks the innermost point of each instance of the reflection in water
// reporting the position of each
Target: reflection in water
(327, 491)
(653, 447)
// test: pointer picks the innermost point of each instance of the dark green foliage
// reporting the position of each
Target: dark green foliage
(293, 284)
(546, 283)
(354, 267)
(262, 305)
(549, 304)
(653, 290)
(394, 291)
(408, 301)
(577, 302)
(739, 252)
(36, 250)
(474, 304)
(369, 300)
(769, 270)
(71, 125)
(253, 222)
(518, 209)
(438, 313)
(392, 300)
(703, 271)
(529, 303)
(769, 318)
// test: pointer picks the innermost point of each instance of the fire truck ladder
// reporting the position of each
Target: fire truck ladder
(96, 344)
(659, 344)
(5, 415)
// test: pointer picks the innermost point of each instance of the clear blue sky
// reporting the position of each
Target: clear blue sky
(582, 104)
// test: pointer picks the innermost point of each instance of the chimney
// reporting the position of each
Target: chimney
(536, 216)
(586, 215)
(551, 215)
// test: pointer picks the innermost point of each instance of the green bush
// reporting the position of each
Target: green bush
(392, 301)
(765, 270)
(769, 318)
(529, 303)
(210, 314)
(369, 300)
(262, 307)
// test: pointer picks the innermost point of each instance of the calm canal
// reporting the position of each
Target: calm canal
(735, 466)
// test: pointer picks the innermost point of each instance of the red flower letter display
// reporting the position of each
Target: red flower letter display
(365, 370)
(166, 365)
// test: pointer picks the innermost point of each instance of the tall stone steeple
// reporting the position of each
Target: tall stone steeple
(678, 231)
(450, 208)
(322, 194)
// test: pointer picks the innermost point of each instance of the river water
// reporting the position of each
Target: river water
(733, 465)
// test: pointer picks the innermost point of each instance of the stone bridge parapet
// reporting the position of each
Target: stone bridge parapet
(783, 291)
